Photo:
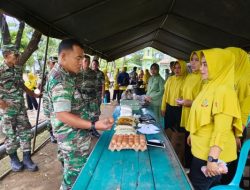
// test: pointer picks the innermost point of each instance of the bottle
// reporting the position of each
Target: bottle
(105, 99)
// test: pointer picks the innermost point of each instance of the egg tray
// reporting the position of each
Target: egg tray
(132, 141)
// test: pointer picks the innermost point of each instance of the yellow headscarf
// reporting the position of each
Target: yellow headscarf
(242, 80)
(173, 87)
(218, 94)
(190, 89)
(106, 78)
(116, 85)
(242, 63)
(145, 78)
(31, 82)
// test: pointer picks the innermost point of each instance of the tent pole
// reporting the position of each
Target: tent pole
(40, 99)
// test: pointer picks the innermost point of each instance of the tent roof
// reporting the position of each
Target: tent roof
(114, 28)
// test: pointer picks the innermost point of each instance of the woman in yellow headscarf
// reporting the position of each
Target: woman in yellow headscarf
(146, 77)
(190, 89)
(242, 80)
(116, 85)
(214, 118)
(106, 86)
(31, 84)
(172, 111)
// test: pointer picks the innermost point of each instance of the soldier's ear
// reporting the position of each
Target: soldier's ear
(63, 55)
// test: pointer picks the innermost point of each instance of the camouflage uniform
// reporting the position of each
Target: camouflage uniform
(15, 123)
(100, 82)
(73, 143)
(86, 84)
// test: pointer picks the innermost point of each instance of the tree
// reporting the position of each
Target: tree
(7, 38)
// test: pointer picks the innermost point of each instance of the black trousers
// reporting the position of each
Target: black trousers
(198, 179)
(120, 95)
(115, 94)
(31, 101)
(107, 95)
(188, 155)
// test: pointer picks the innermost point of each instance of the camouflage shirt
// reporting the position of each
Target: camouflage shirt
(100, 80)
(64, 97)
(11, 83)
(86, 84)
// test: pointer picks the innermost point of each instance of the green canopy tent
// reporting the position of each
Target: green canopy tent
(115, 28)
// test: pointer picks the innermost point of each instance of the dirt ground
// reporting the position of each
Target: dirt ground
(50, 170)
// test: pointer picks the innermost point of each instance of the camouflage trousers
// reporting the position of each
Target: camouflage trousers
(74, 154)
(17, 129)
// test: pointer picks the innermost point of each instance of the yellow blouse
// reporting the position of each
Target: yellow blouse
(215, 135)
(172, 91)
(190, 89)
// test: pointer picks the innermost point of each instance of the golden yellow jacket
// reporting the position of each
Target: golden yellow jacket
(242, 80)
(173, 86)
(214, 118)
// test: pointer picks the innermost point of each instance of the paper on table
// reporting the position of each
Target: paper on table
(148, 129)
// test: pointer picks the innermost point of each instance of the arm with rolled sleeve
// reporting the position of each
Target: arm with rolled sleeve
(222, 128)
(61, 98)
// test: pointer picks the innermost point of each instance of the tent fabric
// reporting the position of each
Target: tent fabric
(114, 28)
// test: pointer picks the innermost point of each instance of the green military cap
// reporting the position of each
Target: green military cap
(53, 59)
(10, 48)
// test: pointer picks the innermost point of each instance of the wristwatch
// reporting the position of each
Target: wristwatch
(211, 159)
(92, 125)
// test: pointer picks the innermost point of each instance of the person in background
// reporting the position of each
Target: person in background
(31, 84)
(214, 119)
(69, 119)
(123, 81)
(100, 85)
(167, 74)
(86, 84)
(116, 86)
(14, 119)
(191, 88)
(46, 106)
(146, 77)
(155, 92)
(172, 63)
(172, 111)
(106, 86)
(133, 76)
(242, 87)
(140, 76)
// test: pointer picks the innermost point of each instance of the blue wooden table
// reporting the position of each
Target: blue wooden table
(153, 169)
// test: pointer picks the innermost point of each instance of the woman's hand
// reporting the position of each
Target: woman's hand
(212, 169)
(163, 113)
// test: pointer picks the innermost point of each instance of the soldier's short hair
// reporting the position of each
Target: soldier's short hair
(87, 57)
(97, 62)
(67, 44)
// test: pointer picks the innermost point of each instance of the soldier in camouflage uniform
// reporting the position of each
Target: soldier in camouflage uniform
(100, 84)
(46, 106)
(15, 123)
(86, 84)
(68, 118)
